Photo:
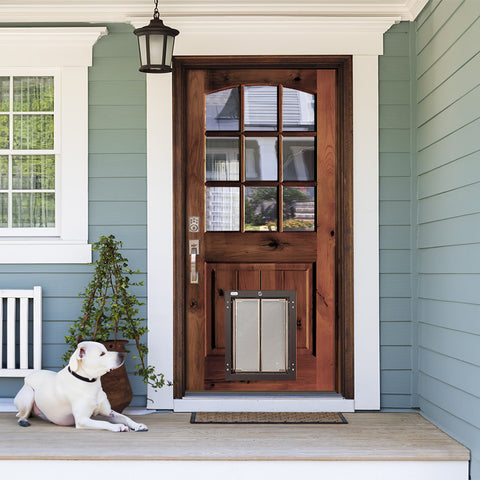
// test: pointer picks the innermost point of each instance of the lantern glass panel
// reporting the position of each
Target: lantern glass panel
(156, 49)
(169, 51)
(142, 45)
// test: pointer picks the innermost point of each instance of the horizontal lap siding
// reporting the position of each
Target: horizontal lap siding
(117, 197)
(395, 219)
(448, 178)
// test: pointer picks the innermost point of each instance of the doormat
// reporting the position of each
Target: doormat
(268, 417)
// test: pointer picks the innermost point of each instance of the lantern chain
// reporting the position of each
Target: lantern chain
(156, 13)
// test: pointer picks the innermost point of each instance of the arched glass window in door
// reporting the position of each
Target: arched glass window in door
(260, 159)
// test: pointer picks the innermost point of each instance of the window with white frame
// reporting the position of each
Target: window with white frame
(27, 155)
(44, 143)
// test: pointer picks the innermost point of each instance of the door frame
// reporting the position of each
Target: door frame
(344, 202)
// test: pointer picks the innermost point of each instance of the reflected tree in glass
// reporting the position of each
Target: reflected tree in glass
(261, 205)
(299, 208)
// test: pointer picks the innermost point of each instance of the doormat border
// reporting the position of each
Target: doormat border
(284, 418)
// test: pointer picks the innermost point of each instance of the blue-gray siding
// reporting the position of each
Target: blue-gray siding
(396, 230)
(117, 195)
(448, 196)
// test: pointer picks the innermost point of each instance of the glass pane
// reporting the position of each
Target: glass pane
(246, 331)
(33, 132)
(298, 110)
(261, 156)
(298, 159)
(223, 110)
(4, 94)
(3, 210)
(3, 172)
(33, 210)
(33, 172)
(33, 94)
(261, 108)
(222, 209)
(260, 209)
(156, 49)
(142, 46)
(222, 159)
(169, 50)
(4, 132)
(299, 208)
(274, 335)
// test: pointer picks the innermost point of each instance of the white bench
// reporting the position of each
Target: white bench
(21, 324)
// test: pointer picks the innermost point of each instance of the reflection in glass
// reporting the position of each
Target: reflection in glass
(298, 159)
(4, 94)
(3, 172)
(299, 208)
(260, 209)
(261, 108)
(33, 132)
(3, 210)
(33, 172)
(298, 110)
(223, 110)
(222, 209)
(33, 94)
(4, 132)
(261, 156)
(222, 159)
(33, 210)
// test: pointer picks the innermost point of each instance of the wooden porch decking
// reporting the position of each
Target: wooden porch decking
(373, 439)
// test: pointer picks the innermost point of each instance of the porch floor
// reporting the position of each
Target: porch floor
(367, 436)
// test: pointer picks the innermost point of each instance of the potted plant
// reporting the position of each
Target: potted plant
(110, 315)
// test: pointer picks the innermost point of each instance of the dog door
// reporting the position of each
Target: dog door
(260, 331)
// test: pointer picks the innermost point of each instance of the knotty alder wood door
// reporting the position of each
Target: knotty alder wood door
(259, 152)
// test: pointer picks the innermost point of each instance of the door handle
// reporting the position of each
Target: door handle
(193, 250)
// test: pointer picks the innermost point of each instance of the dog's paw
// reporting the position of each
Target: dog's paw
(120, 427)
(24, 423)
(140, 427)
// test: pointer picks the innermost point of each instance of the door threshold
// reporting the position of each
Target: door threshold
(268, 402)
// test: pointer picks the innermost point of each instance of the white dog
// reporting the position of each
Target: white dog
(73, 395)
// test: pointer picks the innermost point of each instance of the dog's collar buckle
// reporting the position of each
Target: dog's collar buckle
(84, 379)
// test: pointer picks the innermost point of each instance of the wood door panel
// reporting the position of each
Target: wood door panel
(260, 246)
(303, 261)
(292, 78)
(254, 276)
(305, 381)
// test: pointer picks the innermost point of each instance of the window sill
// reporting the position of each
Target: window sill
(38, 250)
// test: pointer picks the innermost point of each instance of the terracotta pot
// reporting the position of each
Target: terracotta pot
(116, 383)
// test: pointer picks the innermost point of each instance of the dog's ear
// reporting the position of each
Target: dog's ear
(76, 358)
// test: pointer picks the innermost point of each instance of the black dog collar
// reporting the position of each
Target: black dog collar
(76, 375)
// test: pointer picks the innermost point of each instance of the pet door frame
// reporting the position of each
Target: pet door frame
(291, 332)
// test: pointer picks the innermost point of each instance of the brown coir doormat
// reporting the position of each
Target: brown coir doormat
(267, 417)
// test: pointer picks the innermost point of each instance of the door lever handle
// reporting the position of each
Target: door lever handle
(193, 250)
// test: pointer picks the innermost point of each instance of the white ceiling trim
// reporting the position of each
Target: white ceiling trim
(30, 11)
(269, 24)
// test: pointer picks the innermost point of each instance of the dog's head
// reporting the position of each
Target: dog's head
(94, 360)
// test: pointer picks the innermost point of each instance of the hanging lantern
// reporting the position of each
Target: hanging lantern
(155, 44)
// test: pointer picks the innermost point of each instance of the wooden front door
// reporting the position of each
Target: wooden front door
(259, 150)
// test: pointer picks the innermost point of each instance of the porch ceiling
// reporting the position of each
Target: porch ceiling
(31, 11)
(367, 436)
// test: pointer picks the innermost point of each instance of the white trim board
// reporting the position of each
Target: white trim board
(365, 141)
(117, 11)
(265, 403)
(66, 54)
(236, 470)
